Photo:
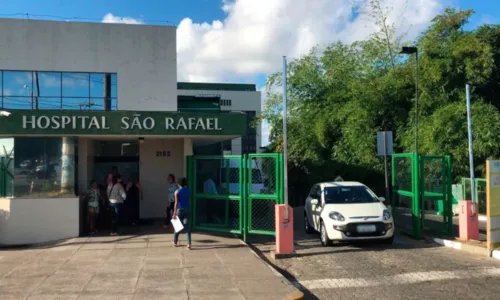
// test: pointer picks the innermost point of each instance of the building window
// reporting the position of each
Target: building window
(57, 90)
(249, 141)
(40, 167)
(198, 103)
(225, 102)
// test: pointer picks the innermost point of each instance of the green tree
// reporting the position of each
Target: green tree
(340, 97)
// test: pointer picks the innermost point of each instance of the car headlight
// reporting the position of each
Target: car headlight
(336, 216)
(386, 215)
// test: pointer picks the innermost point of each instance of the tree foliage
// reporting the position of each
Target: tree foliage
(341, 96)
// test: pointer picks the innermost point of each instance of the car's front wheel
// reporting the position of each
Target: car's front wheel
(307, 226)
(325, 241)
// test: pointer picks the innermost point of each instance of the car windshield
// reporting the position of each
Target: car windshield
(349, 195)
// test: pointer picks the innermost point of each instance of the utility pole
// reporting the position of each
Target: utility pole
(285, 139)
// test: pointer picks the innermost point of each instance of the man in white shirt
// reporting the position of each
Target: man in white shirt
(209, 187)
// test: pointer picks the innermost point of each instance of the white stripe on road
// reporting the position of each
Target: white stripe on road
(407, 278)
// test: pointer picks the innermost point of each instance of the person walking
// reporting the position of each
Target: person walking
(181, 211)
(93, 205)
(172, 187)
(116, 195)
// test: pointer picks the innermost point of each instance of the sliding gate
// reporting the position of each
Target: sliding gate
(236, 193)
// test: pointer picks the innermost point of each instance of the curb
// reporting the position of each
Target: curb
(297, 295)
(465, 247)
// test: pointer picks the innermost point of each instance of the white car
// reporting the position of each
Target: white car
(347, 211)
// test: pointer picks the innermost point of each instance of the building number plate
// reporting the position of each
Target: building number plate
(162, 153)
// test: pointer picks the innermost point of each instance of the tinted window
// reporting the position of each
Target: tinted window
(349, 195)
(57, 90)
(315, 192)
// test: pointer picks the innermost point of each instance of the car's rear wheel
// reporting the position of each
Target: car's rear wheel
(307, 226)
(325, 241)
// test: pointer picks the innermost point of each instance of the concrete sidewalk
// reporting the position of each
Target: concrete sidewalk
(139, 267)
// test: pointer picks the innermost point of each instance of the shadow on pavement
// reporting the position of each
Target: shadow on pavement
(135, 234)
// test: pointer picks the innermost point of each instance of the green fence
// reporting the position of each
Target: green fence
(6, 174)
(406, 198)
(236, 193)
(422, 195)
(479, 190)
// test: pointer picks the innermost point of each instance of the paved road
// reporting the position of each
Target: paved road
(143, 266)
(408, 269)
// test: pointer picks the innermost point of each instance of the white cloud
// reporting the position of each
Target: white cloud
(110, 18)
(256, 33)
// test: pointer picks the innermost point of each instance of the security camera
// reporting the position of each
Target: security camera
(4, 113)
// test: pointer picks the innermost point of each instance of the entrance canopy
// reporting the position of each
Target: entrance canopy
(122, 123)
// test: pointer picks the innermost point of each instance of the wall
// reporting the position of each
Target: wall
(143, 56)
(85, 163)
(38, 220)
(240, 101)
(188, 151)
(154, 171)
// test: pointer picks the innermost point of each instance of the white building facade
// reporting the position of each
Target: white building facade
(84, 97)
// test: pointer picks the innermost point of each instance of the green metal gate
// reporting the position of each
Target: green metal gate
(6, 173)
(236, 193)
(261, 201)
(437, 213)
(406, 200)
(422, 194)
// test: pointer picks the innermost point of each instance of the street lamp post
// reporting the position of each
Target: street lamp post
(414, 50)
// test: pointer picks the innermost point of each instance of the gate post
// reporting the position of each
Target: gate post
(283, 227)
(244, 196)
(417, 189)
(190, 179)
(449, 195)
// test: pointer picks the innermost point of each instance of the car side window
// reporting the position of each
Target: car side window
(312, 193)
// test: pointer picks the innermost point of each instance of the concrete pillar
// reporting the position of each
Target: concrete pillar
(67, 164)
(188, 151)
(85, 163)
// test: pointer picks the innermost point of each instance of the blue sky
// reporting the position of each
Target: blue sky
(244, 40)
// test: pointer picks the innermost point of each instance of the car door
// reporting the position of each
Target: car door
(308, 208)
(316, 209)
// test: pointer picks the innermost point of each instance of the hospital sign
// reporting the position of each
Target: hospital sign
(49, 122)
